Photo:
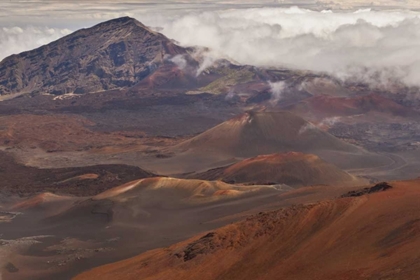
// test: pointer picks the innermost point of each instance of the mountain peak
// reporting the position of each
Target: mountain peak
(123, 22)
(114, 54)
(123, 19)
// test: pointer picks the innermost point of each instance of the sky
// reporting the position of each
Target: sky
(377, 42)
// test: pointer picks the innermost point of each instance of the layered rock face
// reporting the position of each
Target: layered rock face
(115, 54)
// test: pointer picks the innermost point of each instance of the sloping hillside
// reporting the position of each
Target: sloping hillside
(293, 169)
(373, 236)
(256, 133)
(261, 133)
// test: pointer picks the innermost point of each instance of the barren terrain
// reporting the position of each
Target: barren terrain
(115, 143)
(355, 237)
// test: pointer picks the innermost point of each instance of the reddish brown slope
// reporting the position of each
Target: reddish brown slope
(259, 133)
(293, 169)
(57, 132)
(374, 236)
(256, 133)
(323, 106)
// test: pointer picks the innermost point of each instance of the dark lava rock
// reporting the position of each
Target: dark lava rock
(24, 180)
(201, 246)
(377, 188)
(11, 268)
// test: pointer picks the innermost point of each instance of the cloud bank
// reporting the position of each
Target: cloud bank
(17, 39)
(373, 46)
(378, 47)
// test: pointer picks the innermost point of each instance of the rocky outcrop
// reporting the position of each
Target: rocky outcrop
(381, 187)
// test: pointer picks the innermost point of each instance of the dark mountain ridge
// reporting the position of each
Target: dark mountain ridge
(115, 54)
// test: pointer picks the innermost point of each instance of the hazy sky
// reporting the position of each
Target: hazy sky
(348, 39)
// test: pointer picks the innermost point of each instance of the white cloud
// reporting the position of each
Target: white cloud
(305, 127)
(17, 39)
(373, 46)
(329, 121)
(277, 90)
(206, 60)
(179, 61)
(14, 30)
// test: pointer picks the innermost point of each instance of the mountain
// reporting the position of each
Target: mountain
(372, 236)
(260, 133)
(256, 133)
(125, 54)
(115, 54)
(292, 169)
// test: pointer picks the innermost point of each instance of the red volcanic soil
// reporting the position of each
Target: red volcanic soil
(259, 133)
(169, 190)
(374, 236)
(293, 169)
(256, 133)
(57, 132)
(128, 220)
(38, 200)
(168, 76)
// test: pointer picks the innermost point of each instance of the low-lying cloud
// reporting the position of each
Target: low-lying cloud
(306, 127)
(180, 61)
(277, 90)
(329, 121)
(377, 47)
(372, 46)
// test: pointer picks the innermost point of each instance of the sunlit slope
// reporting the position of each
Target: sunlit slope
(293, 169)
(256, 133)
(261, 133)
(373, 236)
